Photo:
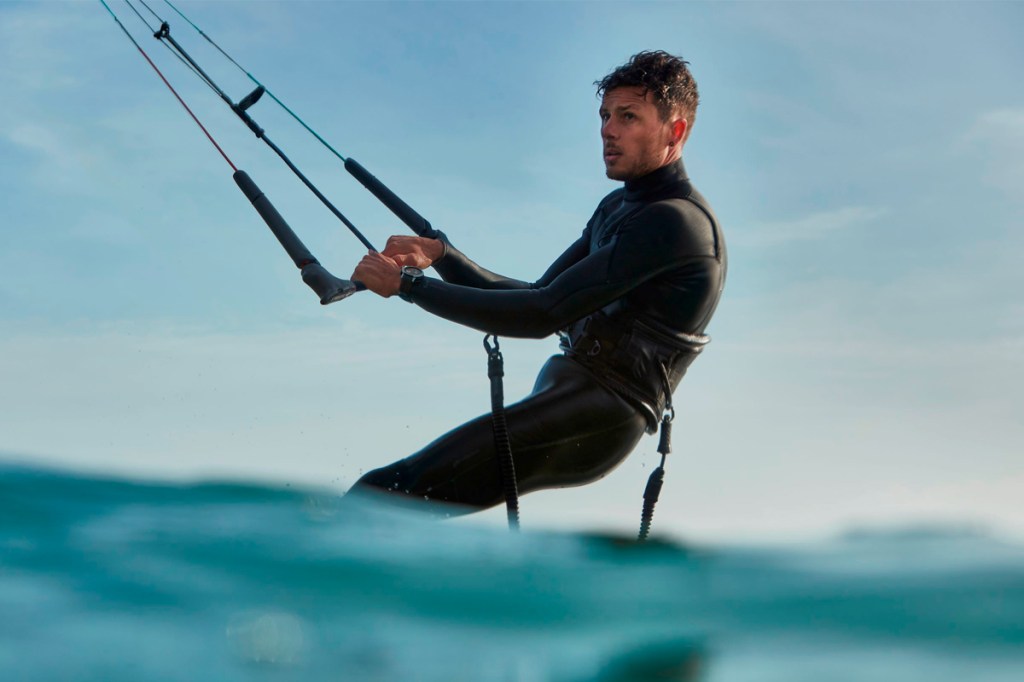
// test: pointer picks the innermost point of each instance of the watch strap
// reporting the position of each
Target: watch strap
(410, 278)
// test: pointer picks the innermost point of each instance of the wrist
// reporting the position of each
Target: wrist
(409, 279)
(439, 249)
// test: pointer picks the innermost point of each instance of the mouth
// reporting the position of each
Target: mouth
(611, 154)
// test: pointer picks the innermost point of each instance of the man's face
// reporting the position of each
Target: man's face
(636, 140)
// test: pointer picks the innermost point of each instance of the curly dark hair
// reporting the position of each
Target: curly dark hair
(663, 75)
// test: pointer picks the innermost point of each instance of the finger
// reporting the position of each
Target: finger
(371, 259)
(398, 246)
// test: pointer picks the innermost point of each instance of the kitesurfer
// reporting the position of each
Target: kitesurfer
(630, 298)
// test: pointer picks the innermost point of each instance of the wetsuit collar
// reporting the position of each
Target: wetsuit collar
(652, 183)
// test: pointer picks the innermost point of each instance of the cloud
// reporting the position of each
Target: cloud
(47, 146)
(814, 226)
(36, 138)
(998, 137)
(30, 37)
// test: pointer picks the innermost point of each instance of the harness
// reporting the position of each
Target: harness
(641, 362)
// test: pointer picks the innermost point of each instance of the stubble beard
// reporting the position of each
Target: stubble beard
(635, 170)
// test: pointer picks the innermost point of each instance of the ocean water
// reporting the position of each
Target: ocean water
(106, 579)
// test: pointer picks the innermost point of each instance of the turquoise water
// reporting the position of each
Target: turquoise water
(104, 579)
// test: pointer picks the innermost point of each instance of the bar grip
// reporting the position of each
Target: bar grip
(289, 240)
(405, 213)
(328, 287)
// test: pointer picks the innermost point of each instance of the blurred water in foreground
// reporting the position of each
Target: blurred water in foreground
(104, 579)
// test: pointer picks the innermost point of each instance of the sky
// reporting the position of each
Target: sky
(864, 159)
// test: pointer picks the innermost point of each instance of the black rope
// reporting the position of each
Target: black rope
(403, 211)
(502, 443)
(168, 47)
(158, 17)
(312, 188)
(168, 84)
(270, 94)
(208, 39)
(141, 18)
(326, 285)
(164, 36)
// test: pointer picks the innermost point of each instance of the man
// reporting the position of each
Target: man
(631, 298)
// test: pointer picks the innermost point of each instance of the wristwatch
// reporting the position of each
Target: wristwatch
(411, 276)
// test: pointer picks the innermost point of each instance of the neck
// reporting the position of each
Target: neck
(669, 174)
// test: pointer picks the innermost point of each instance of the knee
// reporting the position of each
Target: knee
(384, 480)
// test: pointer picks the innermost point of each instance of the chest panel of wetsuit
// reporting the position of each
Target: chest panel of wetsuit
(665, 226)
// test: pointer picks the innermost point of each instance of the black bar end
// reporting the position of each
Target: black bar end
(329, 288)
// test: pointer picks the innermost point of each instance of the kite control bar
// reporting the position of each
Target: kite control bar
(328, 287)
(402, 210)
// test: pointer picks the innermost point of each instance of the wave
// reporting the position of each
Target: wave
(117, 579)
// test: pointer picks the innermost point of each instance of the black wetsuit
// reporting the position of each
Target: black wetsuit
(631, 299)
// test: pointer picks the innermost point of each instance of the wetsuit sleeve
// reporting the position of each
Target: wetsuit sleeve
(457, 268)
(660, 237)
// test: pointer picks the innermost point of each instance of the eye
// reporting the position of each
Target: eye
(629, 115)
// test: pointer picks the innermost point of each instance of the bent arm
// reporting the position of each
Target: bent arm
(660, 239)
(524, 312)
(457, 268)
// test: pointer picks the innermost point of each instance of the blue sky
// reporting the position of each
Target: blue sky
(865, 160)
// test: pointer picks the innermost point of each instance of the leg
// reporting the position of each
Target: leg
(569, 431)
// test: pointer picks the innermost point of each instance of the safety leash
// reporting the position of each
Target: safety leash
(502, 444)
(657, 477)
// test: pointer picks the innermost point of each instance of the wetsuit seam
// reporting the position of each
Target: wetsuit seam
(711, 219)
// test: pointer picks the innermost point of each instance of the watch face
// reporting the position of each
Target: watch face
(410, 271)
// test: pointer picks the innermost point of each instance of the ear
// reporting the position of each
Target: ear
(679, 128)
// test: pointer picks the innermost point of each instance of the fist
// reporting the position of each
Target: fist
(419, 252)
(380, 274)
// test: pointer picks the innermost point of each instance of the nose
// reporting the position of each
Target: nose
(608, 131)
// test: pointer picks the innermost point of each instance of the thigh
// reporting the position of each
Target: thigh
(569, 431)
